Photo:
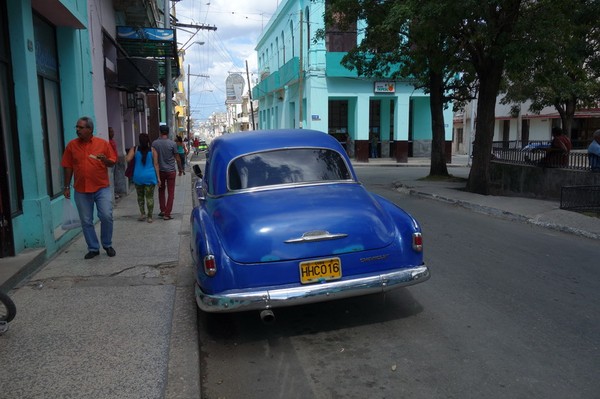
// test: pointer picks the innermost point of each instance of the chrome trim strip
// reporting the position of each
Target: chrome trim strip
(275, 297)
(318, 235)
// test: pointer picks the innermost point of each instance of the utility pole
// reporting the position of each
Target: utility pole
(188, 105)
(250, 96)
(168, 73)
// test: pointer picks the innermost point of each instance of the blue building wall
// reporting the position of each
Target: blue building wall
(39, 224)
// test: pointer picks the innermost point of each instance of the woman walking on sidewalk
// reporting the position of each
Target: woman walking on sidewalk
(183, 151)
(145, 175)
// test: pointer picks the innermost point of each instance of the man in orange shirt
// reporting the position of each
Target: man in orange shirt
(89, 158)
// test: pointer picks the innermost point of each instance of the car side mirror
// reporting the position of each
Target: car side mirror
(197, 171)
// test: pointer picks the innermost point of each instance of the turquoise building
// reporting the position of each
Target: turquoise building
(45, 86)
(303, 85)
(60, 60)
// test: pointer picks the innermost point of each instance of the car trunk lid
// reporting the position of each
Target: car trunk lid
(301, 223)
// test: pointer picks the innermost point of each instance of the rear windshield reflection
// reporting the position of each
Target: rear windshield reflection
(307, 165)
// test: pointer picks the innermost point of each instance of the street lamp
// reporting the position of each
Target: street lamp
(184, 48)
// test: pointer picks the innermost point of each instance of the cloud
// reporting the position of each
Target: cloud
(224, 50)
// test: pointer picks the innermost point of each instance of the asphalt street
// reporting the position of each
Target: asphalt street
(125, 327)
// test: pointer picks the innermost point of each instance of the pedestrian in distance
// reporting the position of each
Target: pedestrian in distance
(88, 158)
(373, 141)
(111, 140)
(196, 146)
(594, 152)
(146, 175)
(183, 151)
(558, 153)
(168, 164)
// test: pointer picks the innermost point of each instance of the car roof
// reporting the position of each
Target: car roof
(261, 140)
(227, 147)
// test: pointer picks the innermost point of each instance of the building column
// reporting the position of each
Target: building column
(401, 117)
(317, 100)
(360, 111)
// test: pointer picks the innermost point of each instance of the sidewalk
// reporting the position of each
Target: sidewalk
(121, 327)
(125, 327)
(543, 213)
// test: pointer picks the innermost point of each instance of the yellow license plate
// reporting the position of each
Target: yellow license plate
(313, 271)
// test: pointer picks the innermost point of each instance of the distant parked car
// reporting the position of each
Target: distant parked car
(535, 151)
(530, 153)
(535, 146)
(202, 146)
(280, 219)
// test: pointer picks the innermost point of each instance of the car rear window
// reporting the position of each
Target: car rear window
(298, 165)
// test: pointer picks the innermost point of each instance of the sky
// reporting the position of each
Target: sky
(225, 50)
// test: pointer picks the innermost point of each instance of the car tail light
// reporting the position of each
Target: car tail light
(210, 265)
(417, 242)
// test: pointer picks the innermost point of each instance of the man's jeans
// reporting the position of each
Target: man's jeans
(85, 205)
(167, 180)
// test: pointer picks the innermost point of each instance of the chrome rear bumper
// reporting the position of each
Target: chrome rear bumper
(277, 297)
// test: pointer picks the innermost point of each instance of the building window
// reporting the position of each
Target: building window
(524, 132)
(292, 45)
(46, 57)
(506, 132)
(283, 46)
(338, 40)
(278, 54)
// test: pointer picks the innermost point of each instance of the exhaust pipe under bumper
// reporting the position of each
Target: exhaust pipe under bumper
(267, 316)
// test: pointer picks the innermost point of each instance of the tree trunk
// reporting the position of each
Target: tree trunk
(489, 83)
(566, 110)
(438, 142)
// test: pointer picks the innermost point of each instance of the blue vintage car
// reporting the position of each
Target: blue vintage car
(280, 219)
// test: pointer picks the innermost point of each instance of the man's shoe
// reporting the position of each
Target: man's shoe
(161, 215)
(110, 251)
(91, 254)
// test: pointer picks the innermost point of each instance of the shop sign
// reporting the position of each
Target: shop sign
(384, 87)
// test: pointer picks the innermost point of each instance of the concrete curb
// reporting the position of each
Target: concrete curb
(506, 215)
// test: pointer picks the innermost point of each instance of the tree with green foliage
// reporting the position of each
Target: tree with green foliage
(444, 46)
(407, 40)
(559, 66)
